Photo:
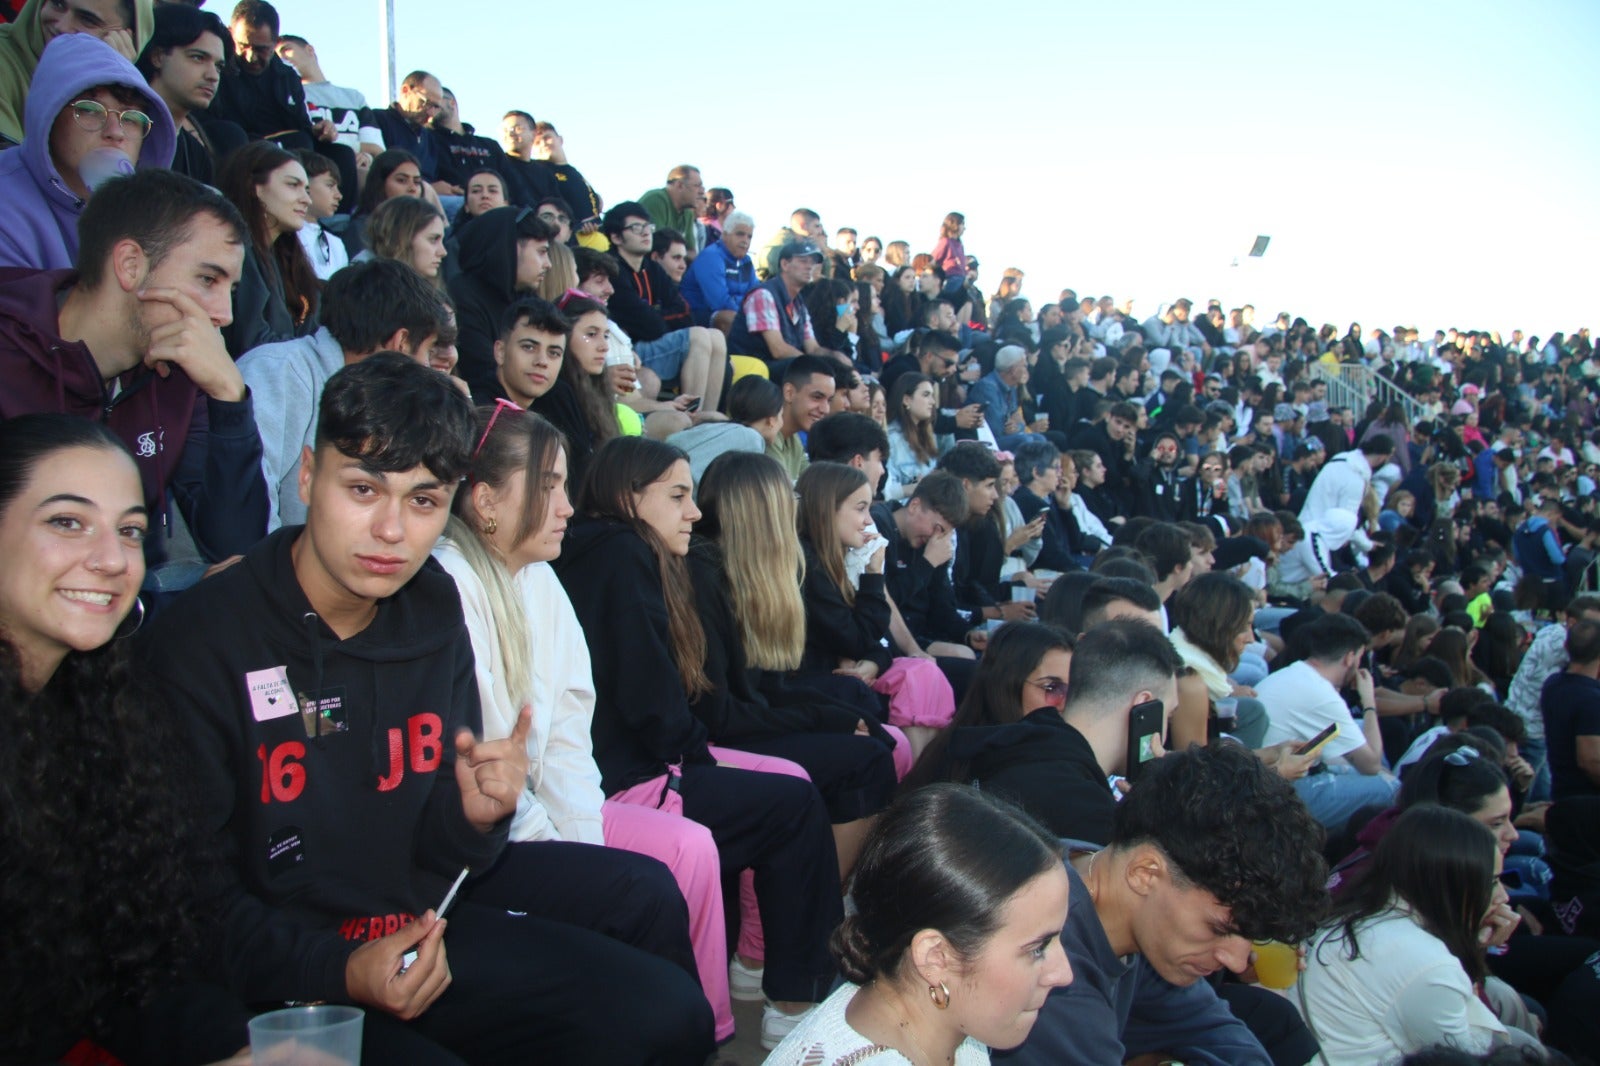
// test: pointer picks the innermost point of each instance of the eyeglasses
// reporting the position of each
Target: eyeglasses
(640, 227)
(554, 219)
(1054, 689)
(1462, 756)
(92, 116)
(499, 406)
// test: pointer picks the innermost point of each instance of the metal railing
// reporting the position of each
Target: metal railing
(1357, 387)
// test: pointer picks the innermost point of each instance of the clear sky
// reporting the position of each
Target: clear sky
(1432, 162)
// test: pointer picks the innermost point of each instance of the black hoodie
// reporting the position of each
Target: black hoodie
(642, 720)
(332, 841)
(482, 291)
(1045, 765)
(738, 705)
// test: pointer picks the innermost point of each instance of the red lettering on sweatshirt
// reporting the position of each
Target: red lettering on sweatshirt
(283, 777)
(391, 780)
(424, 733)
(375, 926)
(427, 742)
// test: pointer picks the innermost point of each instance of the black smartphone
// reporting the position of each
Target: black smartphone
(694, 405)
(1146, 722)
(1316, 742)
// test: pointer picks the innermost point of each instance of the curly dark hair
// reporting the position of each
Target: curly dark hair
(99, 879)
(1230, 825)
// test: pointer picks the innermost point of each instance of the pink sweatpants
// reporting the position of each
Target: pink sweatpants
(633, 823)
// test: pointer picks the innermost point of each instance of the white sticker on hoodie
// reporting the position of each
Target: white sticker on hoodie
(270, 696)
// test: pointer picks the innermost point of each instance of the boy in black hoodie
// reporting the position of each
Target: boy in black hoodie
(504, 254)
(327, 687)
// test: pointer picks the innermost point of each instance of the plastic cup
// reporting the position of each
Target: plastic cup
(307, 1036)
(1277, 964)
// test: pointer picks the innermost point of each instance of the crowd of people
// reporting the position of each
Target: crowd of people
(952, 674)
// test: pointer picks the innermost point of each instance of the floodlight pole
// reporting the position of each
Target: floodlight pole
(386, 43)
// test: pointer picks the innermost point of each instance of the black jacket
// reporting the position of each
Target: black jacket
(561, 408)
(1158, 489)
(482, 291)
(461, 154)
(646, 304)
(642, 720)
(923, 592)
(1046, 766)
(264, 104)
(975, 570)
(838, 630)
(332, 840)
(566, 181)
(738, 705)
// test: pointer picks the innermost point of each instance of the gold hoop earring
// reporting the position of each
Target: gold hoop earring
(940, 994)
(489, 527)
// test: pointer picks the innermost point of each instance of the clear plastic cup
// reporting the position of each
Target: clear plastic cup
(307, 1036)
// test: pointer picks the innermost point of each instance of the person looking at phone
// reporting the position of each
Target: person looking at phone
(1305, 697)
(980, 546)
(133, 339)
(999, 391)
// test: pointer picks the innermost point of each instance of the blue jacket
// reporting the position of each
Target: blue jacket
(717, 282)
(1537, 550)
(1483, 475)
(1114, 1010)
(999, 401)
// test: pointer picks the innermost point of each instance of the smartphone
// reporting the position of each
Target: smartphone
(1146, 722)
(592, 220)
(1317, 742)
(694, 405)
(438, 912)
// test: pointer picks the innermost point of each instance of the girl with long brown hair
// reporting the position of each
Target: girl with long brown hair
(623, 565)
(847, 617)
(277, 295)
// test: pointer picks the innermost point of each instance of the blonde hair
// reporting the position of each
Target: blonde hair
(511, 630)
(509, 441)
(562, 275)
(748, 507)
(822, 489)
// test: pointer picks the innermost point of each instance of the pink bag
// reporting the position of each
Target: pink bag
(919, 693)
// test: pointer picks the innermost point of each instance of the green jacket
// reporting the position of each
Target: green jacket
(20, 44)
(665, 216)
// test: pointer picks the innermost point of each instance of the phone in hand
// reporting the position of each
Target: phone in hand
(694, 405)
(1318, 742)
(1146, 722)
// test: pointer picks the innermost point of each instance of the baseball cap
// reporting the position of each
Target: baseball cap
(798, 249)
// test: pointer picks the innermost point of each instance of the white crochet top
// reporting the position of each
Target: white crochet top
(824, 1038)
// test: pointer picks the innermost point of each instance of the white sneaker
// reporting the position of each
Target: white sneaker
(744, 984)
(775, 1025)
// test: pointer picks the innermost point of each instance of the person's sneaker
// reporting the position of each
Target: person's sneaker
(744, 984)
(775, 1025)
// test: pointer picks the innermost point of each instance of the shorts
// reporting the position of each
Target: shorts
(664, 356)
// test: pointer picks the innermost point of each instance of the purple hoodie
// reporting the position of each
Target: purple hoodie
(41, 230)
